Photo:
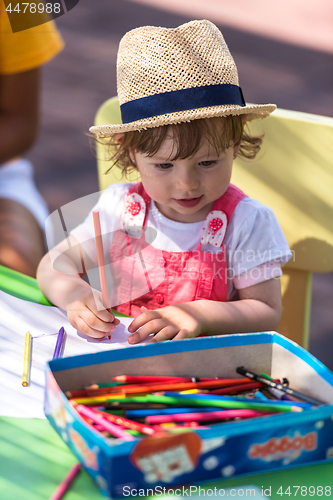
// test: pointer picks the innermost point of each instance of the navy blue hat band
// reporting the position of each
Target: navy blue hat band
(181, 100)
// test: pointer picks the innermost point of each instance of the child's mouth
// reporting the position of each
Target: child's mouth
(189, 202)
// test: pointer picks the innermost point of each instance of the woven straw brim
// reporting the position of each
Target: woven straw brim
(252, 111)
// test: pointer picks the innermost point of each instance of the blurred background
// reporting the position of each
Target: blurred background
(284, 54)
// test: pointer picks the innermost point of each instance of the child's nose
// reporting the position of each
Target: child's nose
(186, 181)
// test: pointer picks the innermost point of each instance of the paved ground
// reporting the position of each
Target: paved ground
(283, 56)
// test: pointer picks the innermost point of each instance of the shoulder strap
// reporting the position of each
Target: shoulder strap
(139, 189)
(229, 201)
(141, 200)
(218, 219)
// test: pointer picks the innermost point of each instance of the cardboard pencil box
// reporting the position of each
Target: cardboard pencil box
(223, 451)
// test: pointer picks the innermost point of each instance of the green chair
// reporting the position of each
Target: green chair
(294, 176)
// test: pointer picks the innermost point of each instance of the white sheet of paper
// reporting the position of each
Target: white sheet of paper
(16, 318)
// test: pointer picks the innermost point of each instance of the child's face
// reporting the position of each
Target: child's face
(185, 190)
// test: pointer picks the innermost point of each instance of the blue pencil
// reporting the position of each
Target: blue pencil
(60, 343)
(165, 411)
(260, 395)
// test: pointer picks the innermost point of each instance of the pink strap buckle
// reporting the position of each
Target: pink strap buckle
(134, 208)
(215, 224)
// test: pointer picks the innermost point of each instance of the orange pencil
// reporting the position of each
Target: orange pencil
(100, 260)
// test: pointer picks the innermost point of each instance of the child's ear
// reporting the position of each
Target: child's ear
(131, 155)
(244, 119)
(236, 149)
(119, 137)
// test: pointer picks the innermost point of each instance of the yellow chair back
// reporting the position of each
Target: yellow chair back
(109, 112)
(294, 176)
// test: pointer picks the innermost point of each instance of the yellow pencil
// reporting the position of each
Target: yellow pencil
(193, 391)
(97, 400)
(27, 360)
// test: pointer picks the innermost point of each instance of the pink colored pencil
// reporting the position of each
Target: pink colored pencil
(66, 483)
(155, 378)
(115, 430)
(203, 416)
(100, 260)
(126, 423)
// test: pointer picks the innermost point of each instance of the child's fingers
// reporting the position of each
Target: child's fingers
(89, 324)
(96, 323)
(141, 320)
(153, 326)
(93, 327)
(103, 315)
(97, 308)
(166, 333)
(183, 334)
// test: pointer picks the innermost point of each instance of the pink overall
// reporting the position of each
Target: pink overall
(145, 276)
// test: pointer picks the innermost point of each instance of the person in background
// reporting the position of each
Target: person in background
(22, 208)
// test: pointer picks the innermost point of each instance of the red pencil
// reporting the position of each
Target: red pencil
(65, 484)
(238, 388)
(117, 388)
(85, 393)
(179, 386)
(150, 387)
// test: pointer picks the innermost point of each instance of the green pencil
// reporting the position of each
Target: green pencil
(174, 401)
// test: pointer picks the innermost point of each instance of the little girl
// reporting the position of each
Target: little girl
(190, 253)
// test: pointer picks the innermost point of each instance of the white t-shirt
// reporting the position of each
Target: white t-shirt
(255, 244)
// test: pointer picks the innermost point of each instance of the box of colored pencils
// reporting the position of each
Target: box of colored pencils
(198, 410)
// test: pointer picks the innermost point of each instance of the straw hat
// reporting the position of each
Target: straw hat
(173, 75)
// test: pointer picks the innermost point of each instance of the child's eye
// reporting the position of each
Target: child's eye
(164, 166)
(207, 163)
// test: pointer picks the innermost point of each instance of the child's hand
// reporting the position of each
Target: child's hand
(179, 321)
(88, 317)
